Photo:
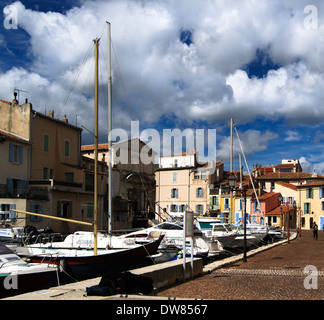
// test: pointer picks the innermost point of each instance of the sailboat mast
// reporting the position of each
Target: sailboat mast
(95, 218)
(110, 216)
(231, 171)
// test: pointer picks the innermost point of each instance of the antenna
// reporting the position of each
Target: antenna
(19, 90)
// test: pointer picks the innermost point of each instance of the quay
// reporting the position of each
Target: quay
(272, 272)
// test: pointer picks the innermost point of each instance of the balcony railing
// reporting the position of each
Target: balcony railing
(33, 193)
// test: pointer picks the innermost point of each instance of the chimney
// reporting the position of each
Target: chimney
(65, 119)
(51, 113)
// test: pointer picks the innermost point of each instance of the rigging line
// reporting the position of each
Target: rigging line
(248, 169)
(81, 95)
(121, 78)
(75, 80)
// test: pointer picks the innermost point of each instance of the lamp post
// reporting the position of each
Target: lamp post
(280, 198)
(232, 182)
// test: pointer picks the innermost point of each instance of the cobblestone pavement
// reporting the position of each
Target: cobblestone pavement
(275, 274)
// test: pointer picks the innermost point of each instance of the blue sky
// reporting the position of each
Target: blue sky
(178, 64)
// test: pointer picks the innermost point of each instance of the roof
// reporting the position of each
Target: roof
(279, 210)
(267, 195)
(12, 136)
(288, 185)
(311, 184)
(286, 176)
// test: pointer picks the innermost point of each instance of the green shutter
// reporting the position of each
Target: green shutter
(69, 213)
(59, 208)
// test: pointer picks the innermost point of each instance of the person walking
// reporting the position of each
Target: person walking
(315, 231)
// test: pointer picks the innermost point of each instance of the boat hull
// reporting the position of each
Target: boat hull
(83, 264)
(23, 282)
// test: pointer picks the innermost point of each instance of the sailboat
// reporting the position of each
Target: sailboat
(83, 263)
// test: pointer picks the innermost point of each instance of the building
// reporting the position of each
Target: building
(14, 192)
(134, 183)
(184, 184)
(54, 181)
(311, 204)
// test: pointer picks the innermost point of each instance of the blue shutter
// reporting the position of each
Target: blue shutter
(237, 216)
(21, 154)
(40, 210)
(32, 209)
(11, 153)
(10, 187)
(12, 214)
(320, 193)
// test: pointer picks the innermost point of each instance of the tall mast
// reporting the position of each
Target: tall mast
(95, 218)
(110, 216)
(231, 171)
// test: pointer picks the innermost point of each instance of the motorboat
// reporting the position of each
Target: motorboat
(215, 230)
(11, 233)
(173, 235)
(18, 276)
(259, 231)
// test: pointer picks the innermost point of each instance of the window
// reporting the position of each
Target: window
(307, 207)
(272, 186)
(322, 205)
(204, 175)
(90, 210)
(309, 193)
(15, 153)
(45, 173)
(174, 177)
(197, 176)
(174, 208)
(226, 203)
(182, 208)
(5, 213)
(36, 208)
(64, 209)
(199, 192)
(89, 182)
(176, 163)
(69, 176)
(214, 202)
(16, 188)
(320, 192)
(174, 193)
(199, 208)
(66, 148)
(46, 142)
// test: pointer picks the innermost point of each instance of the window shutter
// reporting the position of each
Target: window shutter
(307, 193)
(40, 210)
(320, 193)
(11, 153)
(32, 209)
(21, 154)
(176, 193)
(12, 214)
(59, 208)
(312, 192)
(10, 187)
(69, 213)
(211, 202)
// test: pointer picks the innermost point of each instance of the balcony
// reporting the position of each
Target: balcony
(33, 193)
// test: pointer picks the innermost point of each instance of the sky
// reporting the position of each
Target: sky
(177, 64)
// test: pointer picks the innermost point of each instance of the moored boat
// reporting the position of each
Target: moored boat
(18, 276)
